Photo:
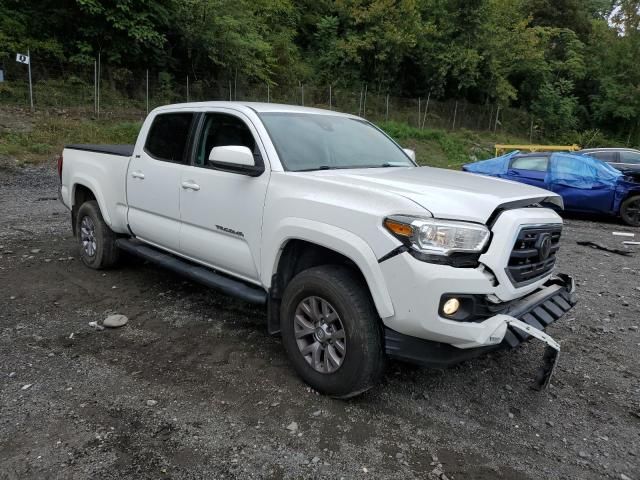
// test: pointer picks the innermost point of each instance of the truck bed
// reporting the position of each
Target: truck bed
(121, 150)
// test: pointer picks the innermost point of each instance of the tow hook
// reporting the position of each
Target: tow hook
(550, 356)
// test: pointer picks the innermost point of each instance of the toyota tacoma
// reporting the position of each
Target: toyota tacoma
(357, 253)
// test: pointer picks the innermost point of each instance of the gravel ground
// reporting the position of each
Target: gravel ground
(193, 387)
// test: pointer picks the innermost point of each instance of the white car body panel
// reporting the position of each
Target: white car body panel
(342, 210)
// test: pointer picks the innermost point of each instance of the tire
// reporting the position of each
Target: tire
(630, 211)
(96, 240)
(347, 297)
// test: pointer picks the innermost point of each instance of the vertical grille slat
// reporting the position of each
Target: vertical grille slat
(534, 254)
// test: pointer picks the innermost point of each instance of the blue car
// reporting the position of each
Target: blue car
(586, 184)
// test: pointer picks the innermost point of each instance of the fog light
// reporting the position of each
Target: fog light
(451, 306)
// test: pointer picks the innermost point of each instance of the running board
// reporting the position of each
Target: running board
(195, 272)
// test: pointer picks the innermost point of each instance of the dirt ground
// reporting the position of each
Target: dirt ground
(193, 387)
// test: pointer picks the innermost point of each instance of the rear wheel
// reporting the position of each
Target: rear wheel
(331, 331)
(96, 240)
(630, 211)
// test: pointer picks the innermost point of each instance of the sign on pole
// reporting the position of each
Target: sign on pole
(22, 58)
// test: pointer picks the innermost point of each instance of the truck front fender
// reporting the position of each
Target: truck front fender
(334, 238)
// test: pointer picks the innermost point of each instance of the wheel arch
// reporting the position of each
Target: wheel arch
(84, 190)
(304, 244)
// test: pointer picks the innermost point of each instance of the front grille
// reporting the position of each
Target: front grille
(534, 254)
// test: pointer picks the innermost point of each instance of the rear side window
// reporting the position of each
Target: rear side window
(604, 156)
(630, 157)
(537, 164)
(168, 136)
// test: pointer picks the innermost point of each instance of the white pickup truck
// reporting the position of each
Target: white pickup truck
(357, 253)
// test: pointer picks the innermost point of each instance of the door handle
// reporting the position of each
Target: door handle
(138, 174)
(190, 186)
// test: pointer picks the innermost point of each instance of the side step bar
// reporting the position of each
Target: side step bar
(195, 272)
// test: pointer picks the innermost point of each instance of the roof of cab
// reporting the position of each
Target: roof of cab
(256, 107)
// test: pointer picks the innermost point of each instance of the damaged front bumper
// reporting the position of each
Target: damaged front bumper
(523, 319)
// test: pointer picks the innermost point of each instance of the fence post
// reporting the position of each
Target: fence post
(302, 93)
(531, 131)
(98, 87)
(330, 101)
(95, 87)
(364, 102)
(360, 104)
(147, 91)
(426, 110)
(386, 115)
(455, 112)
(187, 88)
(30, 85)
(229, 90)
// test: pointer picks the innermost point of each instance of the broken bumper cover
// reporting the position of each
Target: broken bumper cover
(537, 310)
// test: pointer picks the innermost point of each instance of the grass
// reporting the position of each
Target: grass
(49, 134)
(447, 149)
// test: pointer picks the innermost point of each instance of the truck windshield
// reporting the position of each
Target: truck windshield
(307, 141)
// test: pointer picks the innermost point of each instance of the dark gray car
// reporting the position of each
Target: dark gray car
(620, 158)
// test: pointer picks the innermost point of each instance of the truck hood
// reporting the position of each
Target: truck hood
(445, 193)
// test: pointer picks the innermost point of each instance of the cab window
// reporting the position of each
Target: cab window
(168, 137)
(221, 130)
(537, 164)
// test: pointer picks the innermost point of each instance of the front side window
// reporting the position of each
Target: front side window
(307, 141)
(537, 164)
(168, 135)
(630, 157)
(222, 130)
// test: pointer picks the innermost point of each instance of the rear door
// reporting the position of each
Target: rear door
(529, 169)
(611, 157)
(589, 186)
(629, 160)
(154, 177)
(222, 210)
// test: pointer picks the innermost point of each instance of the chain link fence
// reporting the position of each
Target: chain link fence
(120, 92)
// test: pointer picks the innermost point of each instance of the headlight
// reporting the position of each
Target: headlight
(439, 237)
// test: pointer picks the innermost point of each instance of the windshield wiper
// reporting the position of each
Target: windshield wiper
(321, 167)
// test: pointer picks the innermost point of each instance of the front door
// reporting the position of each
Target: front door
(531, 170)
(221, 211)
(153, 181)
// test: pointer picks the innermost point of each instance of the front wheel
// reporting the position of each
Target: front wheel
(331, 331)
(630, 211)
(97, 241)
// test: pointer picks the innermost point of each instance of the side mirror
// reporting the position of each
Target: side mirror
(235, 158)
(410, 153)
